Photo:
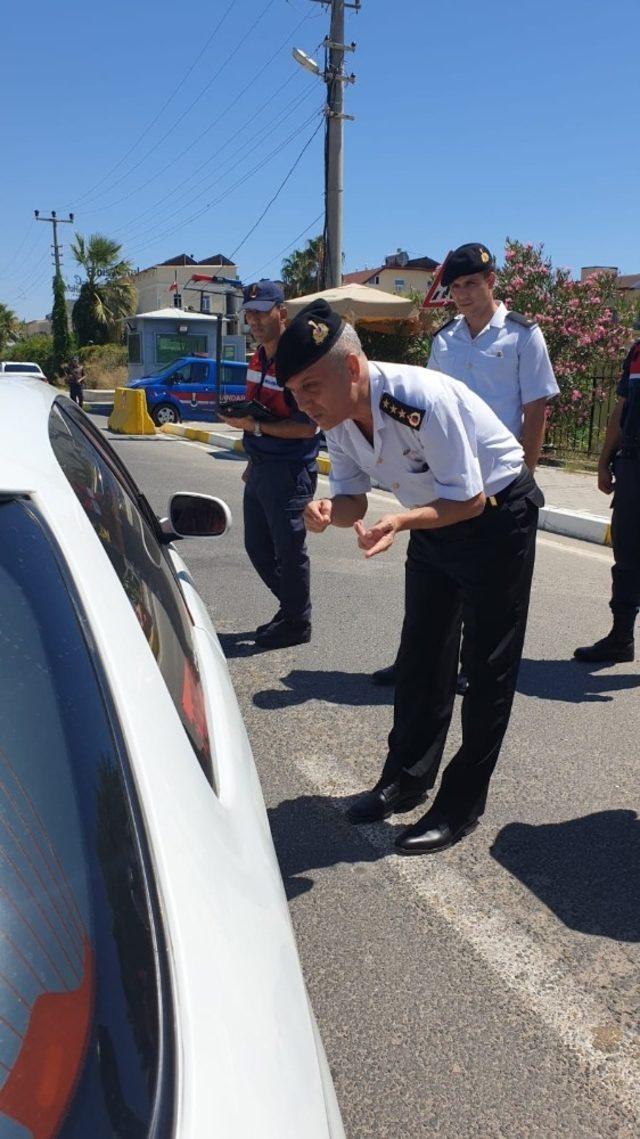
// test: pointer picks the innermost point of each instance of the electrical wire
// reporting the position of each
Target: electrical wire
(280, 188)
(259, 166)
(244, 153)
(5, 273)
(253, 276)
(197, 99)
(149, 126)
(223, 113)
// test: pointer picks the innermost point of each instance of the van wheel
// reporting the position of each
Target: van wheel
(164, 413)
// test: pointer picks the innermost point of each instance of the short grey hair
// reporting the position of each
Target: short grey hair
(347, 344)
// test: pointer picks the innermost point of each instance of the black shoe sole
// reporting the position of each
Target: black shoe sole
(610, 658)
(401, 808)
(437, 849)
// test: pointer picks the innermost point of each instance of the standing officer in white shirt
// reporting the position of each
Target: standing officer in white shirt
(472, 510)
(500, 355)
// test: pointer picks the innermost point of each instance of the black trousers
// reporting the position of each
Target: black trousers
(275, 495)
(625, 534)
(480, 570)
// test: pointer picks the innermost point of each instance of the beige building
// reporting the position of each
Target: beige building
(400, 274)
(155, 285)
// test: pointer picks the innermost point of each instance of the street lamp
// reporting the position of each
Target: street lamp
(306, 61)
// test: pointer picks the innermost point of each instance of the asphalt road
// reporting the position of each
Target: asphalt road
(492, 990)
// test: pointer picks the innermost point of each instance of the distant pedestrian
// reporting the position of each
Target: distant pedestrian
(76, 380)
(619, 472)
(499, 354)
(471, 508)
(280, 478)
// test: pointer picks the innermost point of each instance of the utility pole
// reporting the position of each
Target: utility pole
(59, 318)
(55, 221)
(334, 165)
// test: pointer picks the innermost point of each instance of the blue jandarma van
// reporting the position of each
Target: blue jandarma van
(186, 389)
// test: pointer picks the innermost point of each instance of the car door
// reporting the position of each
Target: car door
(233, 380)
(186, 384)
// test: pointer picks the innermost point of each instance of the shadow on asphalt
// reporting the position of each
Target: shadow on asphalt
(307, 838)
(240, 644)
(586, 871)
(572, 681)
(335, 687)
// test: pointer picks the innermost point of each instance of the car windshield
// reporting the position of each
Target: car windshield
(21, 368)
(83, 1047)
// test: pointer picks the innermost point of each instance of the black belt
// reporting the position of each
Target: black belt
(525, 478)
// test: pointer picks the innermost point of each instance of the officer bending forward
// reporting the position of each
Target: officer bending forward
(472, 509)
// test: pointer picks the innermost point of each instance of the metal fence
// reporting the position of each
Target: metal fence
(582, 436)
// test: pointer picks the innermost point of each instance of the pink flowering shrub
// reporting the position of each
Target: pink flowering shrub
(585, 337)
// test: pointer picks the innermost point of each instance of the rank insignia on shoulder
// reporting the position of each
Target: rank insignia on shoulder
(402, 412)
(518, 318)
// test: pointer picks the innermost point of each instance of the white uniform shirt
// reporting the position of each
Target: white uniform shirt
(459, 449)
(506, 364)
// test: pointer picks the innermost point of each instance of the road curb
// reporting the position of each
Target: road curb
(218, 439)
(555, 520)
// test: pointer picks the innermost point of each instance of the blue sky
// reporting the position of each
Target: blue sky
(152, 122)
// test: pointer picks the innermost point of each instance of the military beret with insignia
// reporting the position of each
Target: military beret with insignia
(466, 259)
(308, 338)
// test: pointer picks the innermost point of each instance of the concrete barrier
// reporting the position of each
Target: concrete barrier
(130, 415)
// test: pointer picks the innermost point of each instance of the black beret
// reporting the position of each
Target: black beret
(310, 335)
(466, 259)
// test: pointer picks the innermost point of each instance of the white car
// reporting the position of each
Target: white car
(22, 369)
(150, 983)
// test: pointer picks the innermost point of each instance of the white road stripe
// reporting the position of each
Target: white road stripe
(542, 983)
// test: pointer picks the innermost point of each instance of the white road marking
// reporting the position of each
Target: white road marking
(542, 983)
(573, 549)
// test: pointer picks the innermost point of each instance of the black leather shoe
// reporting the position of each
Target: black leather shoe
(431, 834)
(462, 684)
(267, 625)
(284, 633)
(378, 804)
(384, 676)
(608, 649)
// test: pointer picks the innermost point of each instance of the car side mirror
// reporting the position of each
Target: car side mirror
(198, 515)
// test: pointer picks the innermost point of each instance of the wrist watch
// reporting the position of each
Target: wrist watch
(257, 430)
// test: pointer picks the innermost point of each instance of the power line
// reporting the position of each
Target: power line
(280, 187)
(233, 103)
(89, 192)
(19, 248)
(244, 155)
(215, 76)
(259, 166)
(254, 273)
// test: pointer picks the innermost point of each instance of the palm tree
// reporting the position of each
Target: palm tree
(107, 295)
(9, 327)
(302, 270)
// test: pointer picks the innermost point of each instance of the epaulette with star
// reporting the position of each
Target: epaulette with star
(403, 412)
(518, 318)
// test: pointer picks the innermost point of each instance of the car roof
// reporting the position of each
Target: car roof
(27, 461)
(23, 363)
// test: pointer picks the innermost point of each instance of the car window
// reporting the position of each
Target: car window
(112, 503)
(199, 372)
(85, 1002)
(21, 368)
(233, 374)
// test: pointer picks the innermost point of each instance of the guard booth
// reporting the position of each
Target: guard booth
(155, 339)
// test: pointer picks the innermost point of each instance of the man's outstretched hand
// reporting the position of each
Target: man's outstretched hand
(376, 538)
